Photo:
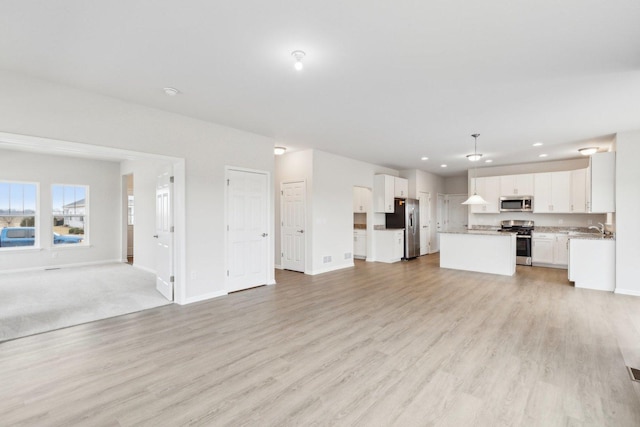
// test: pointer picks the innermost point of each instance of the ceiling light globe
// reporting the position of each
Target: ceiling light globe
(279, 151)
(298, 65)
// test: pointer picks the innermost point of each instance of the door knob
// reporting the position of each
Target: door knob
(300, 231)
(264, 234)
(155, 236)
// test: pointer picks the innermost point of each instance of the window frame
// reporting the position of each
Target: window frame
(36, 218)
(86, 216)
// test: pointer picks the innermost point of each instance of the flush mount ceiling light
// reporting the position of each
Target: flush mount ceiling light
(475, 156)
(424, 158)
(171, 91)
(279, 151)
(588, 151)
(488, 161)
(298, 55)
(543, 155)
(537, 144)
(476, 199)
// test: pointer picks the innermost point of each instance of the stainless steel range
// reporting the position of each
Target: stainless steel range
(523, 238)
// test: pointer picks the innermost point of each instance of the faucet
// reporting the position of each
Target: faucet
(599, 227)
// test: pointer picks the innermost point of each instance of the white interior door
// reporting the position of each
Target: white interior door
(164, 233)
(293, 225)
(440, 220)
(247, 235)
(424, 201)
(457, 217)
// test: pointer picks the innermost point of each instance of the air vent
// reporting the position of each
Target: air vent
(635, 373)
(347, 255)
(326, 259)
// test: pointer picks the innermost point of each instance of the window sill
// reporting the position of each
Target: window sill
(21, 249)
(66, 247)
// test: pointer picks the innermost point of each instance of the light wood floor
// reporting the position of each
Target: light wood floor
(403, 344)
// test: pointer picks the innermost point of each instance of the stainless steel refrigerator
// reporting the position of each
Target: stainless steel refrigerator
(406, 215)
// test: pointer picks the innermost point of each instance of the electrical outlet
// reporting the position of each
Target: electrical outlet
(561, 221)
(326, 259)
(194, 275)
(54, 254)
(589, 222)
(347, 255)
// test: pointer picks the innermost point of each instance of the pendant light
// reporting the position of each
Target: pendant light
(476, 199)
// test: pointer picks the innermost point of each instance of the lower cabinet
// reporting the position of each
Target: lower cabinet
(389, 245)
(550, 250)
(360, 244)
(592, 263)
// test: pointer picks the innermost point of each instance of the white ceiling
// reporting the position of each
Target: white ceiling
(384, 81)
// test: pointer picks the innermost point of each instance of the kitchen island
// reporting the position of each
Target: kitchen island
(484, 251)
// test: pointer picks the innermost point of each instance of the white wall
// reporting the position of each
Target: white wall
(456, 184)
(34, 107)
(330, 182)
(103, 179)
(628, 213)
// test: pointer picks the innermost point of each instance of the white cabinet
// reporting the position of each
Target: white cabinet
(489, 189)
(579, 191)
(552, 192)
(398, 244)
(549, 249)
(388, 245)
(360, 244)
(400, 187)
(360, 199)
(383, 192)
(602, 171)
(592, 263)
(516, 185)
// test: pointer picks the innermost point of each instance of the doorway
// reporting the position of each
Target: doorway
(424, 200)
(440, 220)
(292, 223)
(247, 218)
(130, 214)
(457, 217)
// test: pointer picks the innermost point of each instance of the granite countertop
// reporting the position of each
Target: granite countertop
(575, 232)
(478, 232)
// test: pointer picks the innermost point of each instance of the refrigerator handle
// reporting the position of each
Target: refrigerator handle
(411, 219)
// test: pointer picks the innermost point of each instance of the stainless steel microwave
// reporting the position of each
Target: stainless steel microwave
(516, 204)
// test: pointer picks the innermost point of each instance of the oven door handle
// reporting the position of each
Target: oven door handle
(523, 237)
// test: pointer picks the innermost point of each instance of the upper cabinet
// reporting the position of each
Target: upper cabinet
(552, 192)
(360, 199)
(383, 192)
(401, 187)
(489, 189)
(385, 189)
(579, 198)
(516, 185)
(602, 171)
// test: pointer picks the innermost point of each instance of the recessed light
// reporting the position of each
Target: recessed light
(171, 91)
(278, 151)
(543, 155)
(443, 166)
(488, 161)
(424, 158)
(537, 144)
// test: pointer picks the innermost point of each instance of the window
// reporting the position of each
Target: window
(70, 214)
(18, 213)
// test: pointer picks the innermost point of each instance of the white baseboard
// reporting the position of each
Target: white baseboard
(58, 266)
(204, 297)
(278, 267)
(328, 269)
(627, 292)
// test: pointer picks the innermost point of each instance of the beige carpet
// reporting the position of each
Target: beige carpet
(41, 301)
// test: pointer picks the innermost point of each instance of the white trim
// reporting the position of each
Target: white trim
(278, 267)
(204, 297)
(627, 292)
(328, 269)
(180, 233)
(59, 266)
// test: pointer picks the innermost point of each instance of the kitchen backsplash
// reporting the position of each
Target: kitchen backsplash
(547, 220)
